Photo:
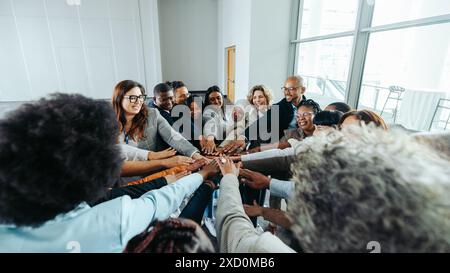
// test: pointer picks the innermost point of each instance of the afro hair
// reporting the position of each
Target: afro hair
(55, 154)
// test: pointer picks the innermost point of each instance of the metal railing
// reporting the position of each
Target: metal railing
(442, 104)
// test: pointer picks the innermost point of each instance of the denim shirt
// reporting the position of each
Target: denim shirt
(293, 123)
(105, 228)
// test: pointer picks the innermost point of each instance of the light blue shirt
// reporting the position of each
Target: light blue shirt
(282, 188)
(293, 123)
(106, 227)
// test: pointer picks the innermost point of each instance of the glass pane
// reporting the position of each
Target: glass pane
(388, 11)
(418, 60)
(322, 17)
(324, 65)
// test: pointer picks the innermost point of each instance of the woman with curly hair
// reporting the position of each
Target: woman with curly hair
(363, 187)
(57, 156)
(259, 98)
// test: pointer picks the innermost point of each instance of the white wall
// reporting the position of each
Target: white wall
(235, 29)
(48, 46)
(188, 34)
(260, 30)
(269, 44)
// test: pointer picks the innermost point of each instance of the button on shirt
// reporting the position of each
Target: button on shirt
(105, 228)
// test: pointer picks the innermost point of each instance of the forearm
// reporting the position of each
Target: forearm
(155, 205)
(283, 145)
(281, 188)
(131, 153)
(277, 217)
(136, 191)
(268, 165)
(135, 168)
(174, 138)
(232, 224)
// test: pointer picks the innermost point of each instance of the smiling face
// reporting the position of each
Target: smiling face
(164, 100)
(259, 100)
(293, 90)
(132, 108)
(215, 98)
(181, 95)
(305, 117)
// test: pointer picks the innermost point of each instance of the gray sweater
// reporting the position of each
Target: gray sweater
(159, 134)
(235, 231)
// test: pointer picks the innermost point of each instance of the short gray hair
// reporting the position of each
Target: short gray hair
(438, 141)
(298, 78)
(364, 184)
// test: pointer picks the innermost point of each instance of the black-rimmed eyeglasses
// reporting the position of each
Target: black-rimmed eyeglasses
(289, 88)
(134, 98)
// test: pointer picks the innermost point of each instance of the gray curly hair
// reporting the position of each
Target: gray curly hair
(364, 184)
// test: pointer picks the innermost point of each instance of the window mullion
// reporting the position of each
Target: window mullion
(295, 32)
(359, 52)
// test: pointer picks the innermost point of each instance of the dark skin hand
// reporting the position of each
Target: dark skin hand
(209, 170)
(254, 180)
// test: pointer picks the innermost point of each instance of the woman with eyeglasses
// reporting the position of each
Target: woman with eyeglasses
(143, 132)
(306, 111)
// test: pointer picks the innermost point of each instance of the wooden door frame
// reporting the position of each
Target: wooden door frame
(226, 70)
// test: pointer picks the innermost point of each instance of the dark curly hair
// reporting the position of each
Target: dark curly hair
(177, 84)
(328, 118)
(311, 104)
(55, 154)
(174, 235)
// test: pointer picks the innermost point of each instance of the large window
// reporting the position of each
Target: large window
(325, 48)
(392, 57)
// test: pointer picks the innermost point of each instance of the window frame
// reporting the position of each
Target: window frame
(361, 39)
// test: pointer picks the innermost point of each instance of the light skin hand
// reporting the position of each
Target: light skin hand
(233, 147)
(227, 166)
(208, 145)
(198, 156)
(172, 178)
(162, 155)
(177, 161)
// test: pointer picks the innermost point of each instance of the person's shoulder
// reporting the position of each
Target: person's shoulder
(281, 102)
(152, 111)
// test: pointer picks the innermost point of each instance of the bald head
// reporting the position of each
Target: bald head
(294, 89)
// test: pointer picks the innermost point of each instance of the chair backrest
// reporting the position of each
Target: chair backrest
(395, 88)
